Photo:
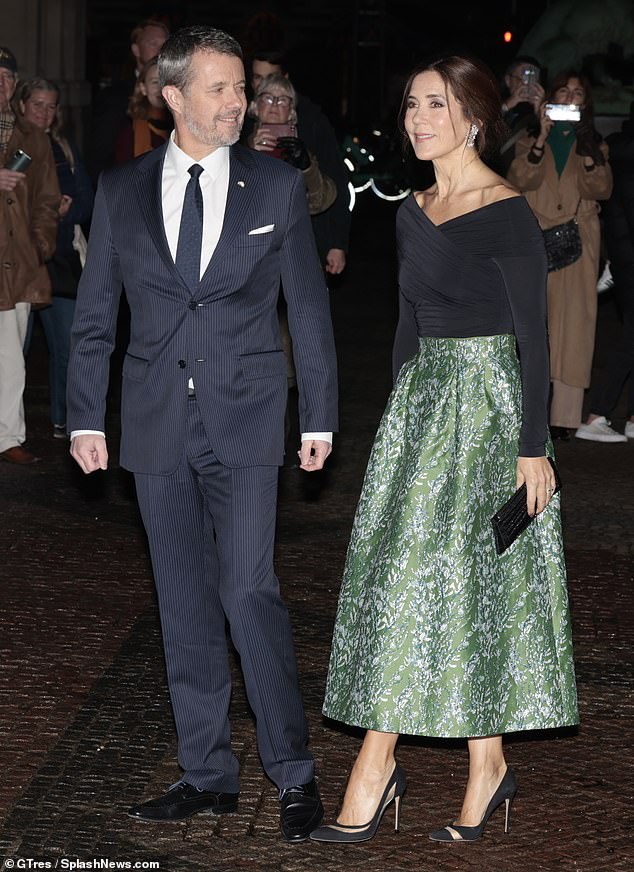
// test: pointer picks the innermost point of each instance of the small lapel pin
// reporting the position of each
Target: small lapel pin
(241, 184)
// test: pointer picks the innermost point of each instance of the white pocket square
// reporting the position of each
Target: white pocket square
(266, 229)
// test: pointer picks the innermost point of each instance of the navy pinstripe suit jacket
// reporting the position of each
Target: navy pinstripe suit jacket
(224, 332)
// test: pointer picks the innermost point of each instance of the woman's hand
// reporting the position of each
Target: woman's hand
(64, 206)
(545, 126)
(540, 482)
(265, 139)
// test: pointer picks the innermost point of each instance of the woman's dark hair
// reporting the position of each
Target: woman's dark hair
(476, 90)
(562, 79)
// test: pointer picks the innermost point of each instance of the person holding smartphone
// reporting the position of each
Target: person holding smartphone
(274, 109)
(562, 168)
(29, 203)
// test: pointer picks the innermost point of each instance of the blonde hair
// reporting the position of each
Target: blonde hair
(138, 104)
(57, 127)
(275, 82)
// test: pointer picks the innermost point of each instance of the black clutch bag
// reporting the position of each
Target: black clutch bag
(512, 518)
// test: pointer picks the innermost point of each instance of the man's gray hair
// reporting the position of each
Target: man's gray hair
(174, 60)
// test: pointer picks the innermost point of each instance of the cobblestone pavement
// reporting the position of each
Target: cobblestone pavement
(85, 724)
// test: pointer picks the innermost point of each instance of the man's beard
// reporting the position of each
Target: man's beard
(209, 134)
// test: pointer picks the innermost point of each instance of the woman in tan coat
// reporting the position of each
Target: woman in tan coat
(563, 170)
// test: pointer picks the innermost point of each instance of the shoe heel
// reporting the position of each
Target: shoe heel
(507, 818)
(397, 812)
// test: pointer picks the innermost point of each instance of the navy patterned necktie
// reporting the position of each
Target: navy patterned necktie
(190, 234)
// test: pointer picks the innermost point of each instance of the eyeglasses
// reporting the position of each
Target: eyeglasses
(272, 100)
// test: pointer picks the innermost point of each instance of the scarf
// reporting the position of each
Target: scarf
(7, 123)
(158, 124)
(561, 140)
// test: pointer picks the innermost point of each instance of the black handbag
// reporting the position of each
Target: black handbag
(513, 518)
(563, 243)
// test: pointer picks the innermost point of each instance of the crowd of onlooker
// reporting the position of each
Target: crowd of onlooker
(553, 154)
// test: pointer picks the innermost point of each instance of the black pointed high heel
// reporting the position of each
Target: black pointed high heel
(505, 793)
(346, 834)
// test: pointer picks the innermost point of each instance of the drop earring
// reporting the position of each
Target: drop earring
(471, 136)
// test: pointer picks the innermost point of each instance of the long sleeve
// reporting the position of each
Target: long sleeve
(406, 337)
(309, 319)
(45, 199)
(320, 188)
(94, 325)
(525, 175)
(595, 183)
(525, 279)
(83, 201)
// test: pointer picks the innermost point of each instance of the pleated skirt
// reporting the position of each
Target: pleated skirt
(436, 634)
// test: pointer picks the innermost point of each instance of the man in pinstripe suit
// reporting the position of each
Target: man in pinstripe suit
(200, 232)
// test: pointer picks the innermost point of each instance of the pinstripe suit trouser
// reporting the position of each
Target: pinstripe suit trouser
(211, 530)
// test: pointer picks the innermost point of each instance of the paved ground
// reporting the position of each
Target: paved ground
(85, 725)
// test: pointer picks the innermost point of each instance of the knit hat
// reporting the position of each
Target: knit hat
(7, 60)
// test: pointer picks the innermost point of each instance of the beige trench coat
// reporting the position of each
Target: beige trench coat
(572, 291)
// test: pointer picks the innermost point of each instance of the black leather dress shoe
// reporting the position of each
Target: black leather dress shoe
(182, 801)
(301, 811)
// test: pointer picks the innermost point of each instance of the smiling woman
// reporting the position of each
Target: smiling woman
(436, 634)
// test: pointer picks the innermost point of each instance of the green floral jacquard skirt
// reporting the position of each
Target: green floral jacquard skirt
(436, 634)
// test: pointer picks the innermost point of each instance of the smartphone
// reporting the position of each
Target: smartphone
(563, 112)
(529, 76)
(268, 134)
(19, 162)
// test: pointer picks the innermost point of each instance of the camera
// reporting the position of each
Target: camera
(19, 162)
(563, 112)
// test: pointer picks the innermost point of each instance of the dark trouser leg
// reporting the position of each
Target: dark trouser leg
(619, 367)
(193, 624)
(242, 505)
(619, 234)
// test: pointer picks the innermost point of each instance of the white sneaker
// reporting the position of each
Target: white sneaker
(629, 430)
(606, 281)
(600, 431)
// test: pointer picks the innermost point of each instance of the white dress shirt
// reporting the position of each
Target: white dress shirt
(214, 184)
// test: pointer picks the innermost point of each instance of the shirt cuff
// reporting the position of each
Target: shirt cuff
(321, 437)
(86, 433)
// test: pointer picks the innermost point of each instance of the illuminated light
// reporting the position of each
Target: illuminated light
(353, 197)
(363, 151)
(376, 133)
(370, 157)
(349, 164)
(390, 198)
(363, 187)
(508, 36)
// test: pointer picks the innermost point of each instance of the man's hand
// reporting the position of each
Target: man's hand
(335, 261)
(90, 452)
(9, 179)
(313, 454)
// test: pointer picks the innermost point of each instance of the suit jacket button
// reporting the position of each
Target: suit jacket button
(182, 364)
(193, 305)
